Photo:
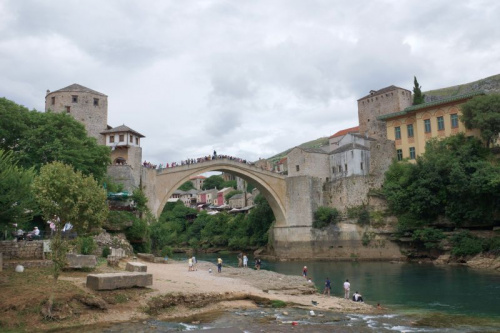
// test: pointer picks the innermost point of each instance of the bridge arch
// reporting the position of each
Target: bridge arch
(271, 185)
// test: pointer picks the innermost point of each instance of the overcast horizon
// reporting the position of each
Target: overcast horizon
(248, 79)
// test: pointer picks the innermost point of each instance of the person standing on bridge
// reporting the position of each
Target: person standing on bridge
(215, 155)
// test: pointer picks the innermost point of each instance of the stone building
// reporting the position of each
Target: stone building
(90, 108)
(198, 181)
(85, 105)
(352, 158)
(237, 201)
(308, 162)
(378, 103)
(282, 166)
(411, 127)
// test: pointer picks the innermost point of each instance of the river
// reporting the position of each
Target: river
(419, 297)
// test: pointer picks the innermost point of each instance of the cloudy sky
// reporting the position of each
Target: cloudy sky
(246, 78)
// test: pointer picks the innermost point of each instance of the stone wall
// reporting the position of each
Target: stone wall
(308, 164)
(304, 195)
(126, 175)
(22, 250)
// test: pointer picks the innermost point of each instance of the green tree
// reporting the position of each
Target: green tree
(213, 182)
(230, 183)
(231, 194)
(324, 216)
(418, 97)
(73, 197)
(39, 138)
(483, 113)
(187, 186)
(17, 203)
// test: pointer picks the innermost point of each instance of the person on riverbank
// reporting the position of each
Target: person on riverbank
(190, 264)
(194, 263)
(257, 264)
(328, 286)
(356, 297)
(304, 272)
(347, 289)
(219, 265)
(240, 260)
(245, 261)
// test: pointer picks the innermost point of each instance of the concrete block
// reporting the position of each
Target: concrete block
(80, 261)
(113, 261)
(146, 257)
(136, 267)
(111, 281)
(118, 252)
(159, 260)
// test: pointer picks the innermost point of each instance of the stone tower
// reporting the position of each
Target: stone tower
(377, 103)
(85, 105)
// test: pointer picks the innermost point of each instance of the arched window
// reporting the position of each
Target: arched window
(120, 161)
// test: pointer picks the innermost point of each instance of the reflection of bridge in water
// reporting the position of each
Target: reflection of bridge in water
(161, 184)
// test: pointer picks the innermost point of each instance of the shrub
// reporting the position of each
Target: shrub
(167, 251)
(324, 216)
(367, 238)
(492, 245)
(106, 252)
(353, 212)
(430, 237)
(276, 303)
(364, 217)
(466, 244)
(86, 245)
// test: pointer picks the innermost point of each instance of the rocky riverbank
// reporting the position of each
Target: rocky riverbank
(176, 293)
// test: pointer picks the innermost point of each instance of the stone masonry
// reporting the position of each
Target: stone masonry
(22, 250)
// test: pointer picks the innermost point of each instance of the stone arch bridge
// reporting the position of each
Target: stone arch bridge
(292, 199)
(161, 184)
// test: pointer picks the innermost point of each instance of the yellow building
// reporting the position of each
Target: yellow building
(412, 127)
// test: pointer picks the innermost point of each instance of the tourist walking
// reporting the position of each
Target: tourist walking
(347, 288)
(328, 287)
(245, 261)
(219, 265)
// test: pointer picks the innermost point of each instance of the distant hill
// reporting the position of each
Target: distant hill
(310, 144)
(489, 85)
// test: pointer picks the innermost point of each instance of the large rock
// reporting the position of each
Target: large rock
(81, 261)
(136, 267)
(111, 281)
(146, 257)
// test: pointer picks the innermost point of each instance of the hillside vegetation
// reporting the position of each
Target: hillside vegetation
(489, 85)
(323, 141)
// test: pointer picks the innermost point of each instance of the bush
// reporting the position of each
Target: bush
(364, 217)
(324, 216)
(466, 244)
(106, 252)
(276, 303)
(430, 237)
(167, 251)
(492, 245)
(86, 245)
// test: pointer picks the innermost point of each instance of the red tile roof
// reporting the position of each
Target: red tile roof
(198, 177)
(346, 131)
(283, 160)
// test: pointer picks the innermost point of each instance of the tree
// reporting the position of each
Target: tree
(39, 138)
(483, 113)
(230, 183)
(72, 197)
(17, 203)
(187, 186)
(231, 194)
(418, 97)
(324, 216)
(213, 182)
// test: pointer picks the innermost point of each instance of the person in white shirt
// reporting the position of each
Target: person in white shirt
(67, 227)
(356, 297)
(347, 288)
(33, 233)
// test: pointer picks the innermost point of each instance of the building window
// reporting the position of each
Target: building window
(427, 125)
(74, 99)
(53, 99)
(397, 133)
(68, 109)
(454, 120)
(440, 123)
(340, 168)
(409, 129)
(131, 138)
(111, 138)
(333, 169)
(137, 141)
(412, 153)
(96, 101)
(400, 154)
(297, 168)
(122, 137)
(345, 165)
(361, 165)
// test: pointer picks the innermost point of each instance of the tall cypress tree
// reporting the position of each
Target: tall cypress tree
(418, 97)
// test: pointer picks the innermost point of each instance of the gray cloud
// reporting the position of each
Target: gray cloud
(245, 78)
